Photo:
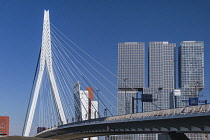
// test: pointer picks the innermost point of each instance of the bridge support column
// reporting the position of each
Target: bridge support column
(173, 136)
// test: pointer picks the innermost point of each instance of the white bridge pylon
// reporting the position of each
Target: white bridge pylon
(45, 59)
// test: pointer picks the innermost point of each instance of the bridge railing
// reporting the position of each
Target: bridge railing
(159, 113)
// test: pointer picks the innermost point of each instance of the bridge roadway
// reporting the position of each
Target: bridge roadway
(192, 119)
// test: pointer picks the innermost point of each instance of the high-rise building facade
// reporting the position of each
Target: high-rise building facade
(161, 75)
(191, 70)
(131, 75)
(131, 65)
(191, 75)
(161, 79)
(131, 69)
(4, 125)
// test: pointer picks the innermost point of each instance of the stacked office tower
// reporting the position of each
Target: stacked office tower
(131, 69)
(191, 70)
(191, 75)
(161, 77)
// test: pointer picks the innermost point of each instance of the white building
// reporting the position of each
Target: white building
(84, 105)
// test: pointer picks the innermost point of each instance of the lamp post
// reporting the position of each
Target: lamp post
(196, 88)
(125, 99)
(98, 102)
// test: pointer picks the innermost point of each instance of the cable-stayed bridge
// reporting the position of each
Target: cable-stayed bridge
(67, 87)
(71, 98)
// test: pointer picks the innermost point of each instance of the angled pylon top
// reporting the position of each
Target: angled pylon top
(46, 14)
(46, 54)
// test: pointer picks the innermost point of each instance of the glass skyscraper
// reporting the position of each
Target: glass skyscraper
(131, 72)
(131, 65)
(131, 69)
(161, 76)
(191, 70)
(191, 75)
(161, 79)
(131, 78)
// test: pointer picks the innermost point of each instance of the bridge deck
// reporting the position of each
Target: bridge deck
(192, 119)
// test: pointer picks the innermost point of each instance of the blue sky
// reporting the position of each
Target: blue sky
(96, 26)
